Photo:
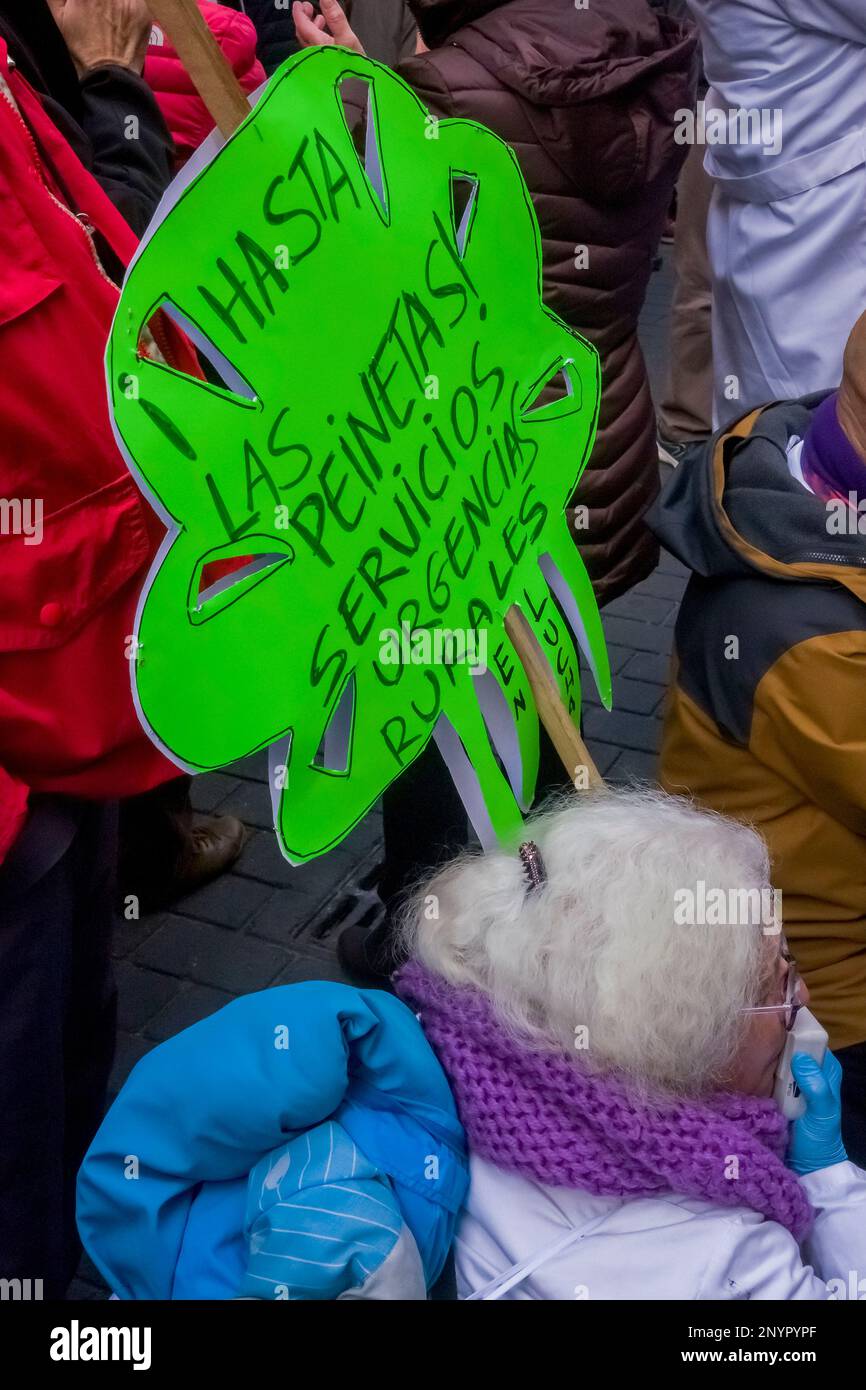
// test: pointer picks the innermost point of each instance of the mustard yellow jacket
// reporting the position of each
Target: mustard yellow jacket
(766, 718)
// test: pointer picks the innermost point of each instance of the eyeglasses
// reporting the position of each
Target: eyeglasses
(793, 1003)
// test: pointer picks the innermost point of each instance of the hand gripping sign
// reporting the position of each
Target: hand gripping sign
(373, 466)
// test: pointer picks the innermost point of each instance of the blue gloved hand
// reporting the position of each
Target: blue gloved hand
(816, 1138)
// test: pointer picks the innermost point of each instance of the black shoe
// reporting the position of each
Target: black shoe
(368, 954)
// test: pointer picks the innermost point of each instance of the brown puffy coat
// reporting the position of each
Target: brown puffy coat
(587, 99)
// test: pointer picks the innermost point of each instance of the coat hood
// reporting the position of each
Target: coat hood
(554, 54)
(606, 80)
(737, 510)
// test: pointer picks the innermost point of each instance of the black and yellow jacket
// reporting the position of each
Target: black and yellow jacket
(766, 719)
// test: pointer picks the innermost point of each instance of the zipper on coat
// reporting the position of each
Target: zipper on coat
(81, 219)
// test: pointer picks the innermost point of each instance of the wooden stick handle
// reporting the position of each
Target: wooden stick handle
(203, 59)
(552, 712)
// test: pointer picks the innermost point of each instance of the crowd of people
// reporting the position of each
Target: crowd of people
(576, 1097)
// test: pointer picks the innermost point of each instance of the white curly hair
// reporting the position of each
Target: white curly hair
(596, 958)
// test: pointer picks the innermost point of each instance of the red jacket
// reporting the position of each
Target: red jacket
(67, 604)
(185, 113)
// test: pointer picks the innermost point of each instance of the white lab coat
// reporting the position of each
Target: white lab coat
(787, 232)
(656, 1247)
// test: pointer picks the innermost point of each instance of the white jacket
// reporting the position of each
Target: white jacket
(656, 1247)
(787, 230)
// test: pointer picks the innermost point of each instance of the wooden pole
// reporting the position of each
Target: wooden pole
(223, 96)
(203, 59)
(572, 750)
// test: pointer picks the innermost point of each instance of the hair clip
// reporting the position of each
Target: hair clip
(533, 865)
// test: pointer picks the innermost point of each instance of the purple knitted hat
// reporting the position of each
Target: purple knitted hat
(831, 465)
(542, 1115)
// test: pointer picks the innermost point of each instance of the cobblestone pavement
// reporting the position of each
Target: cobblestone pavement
(266, 923)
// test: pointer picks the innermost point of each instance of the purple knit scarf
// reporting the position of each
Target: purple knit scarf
(541, 1115)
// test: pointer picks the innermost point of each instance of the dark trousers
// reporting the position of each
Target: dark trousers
(424, 825)
(57, 1028)
(424, 821)
(153, 829)
(853, 1062)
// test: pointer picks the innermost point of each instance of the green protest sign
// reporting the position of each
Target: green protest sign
(372, 457)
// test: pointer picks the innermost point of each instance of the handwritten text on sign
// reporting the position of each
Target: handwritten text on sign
(376, 460)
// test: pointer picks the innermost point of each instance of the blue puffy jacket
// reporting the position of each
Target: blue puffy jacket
(300, 1143)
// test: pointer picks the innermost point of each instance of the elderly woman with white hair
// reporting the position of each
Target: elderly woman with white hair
(614, 1066)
